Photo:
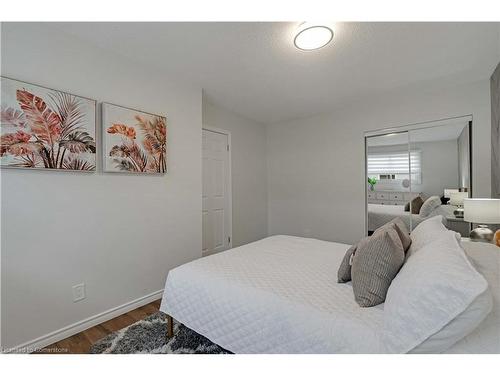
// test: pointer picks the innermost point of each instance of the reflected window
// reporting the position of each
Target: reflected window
(393, 167)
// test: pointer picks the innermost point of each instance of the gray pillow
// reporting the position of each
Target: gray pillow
(375, 264)
(402, 230)
(344, 272)
(430, 205)
(416, 204)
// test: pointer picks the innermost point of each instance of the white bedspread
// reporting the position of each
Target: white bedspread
(276, 295)
(280, 295)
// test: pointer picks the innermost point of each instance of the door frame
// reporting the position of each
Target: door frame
(230, 187)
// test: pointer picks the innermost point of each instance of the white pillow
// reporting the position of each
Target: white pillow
(430, 205)
(458, 328)
(426, 232)
(436, 285)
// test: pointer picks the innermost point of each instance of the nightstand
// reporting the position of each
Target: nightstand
(458, 224)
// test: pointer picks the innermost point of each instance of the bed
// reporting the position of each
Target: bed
(280, 295)
(380, 214)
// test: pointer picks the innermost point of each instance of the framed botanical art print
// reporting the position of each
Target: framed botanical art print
(133, 141)
(43, 128)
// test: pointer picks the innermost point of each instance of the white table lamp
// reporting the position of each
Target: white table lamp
(449, 192)
(457, 199)
(482, 211)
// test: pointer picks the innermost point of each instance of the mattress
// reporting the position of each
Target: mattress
(380, 214)
(276, 295)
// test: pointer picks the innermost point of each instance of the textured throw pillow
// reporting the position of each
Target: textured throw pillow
(416, 204)
(402, 230)
(344, 272)
(430, 205)
(374, 266)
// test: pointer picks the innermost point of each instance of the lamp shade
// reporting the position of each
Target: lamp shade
(457, 199)
(482, 210)
(448, 192)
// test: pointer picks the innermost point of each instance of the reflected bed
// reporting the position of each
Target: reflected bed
(380, 214)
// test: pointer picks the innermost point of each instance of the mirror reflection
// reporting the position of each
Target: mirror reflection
(418, 173)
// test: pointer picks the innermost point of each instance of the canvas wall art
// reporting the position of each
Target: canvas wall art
(133, 141)
(41, 128)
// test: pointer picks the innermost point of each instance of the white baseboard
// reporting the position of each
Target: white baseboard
(84, 324)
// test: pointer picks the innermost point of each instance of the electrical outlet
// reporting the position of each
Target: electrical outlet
(78, 292)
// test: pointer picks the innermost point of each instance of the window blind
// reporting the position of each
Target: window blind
(394, 163)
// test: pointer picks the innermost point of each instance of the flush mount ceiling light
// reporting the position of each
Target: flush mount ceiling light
(312, 36)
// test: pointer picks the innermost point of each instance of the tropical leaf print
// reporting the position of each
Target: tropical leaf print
(121, 151)
(25, 162)
(137, 158)
(12, 117)
(142, 145)
(125, 165)
(70, 111)
(45, 123)
(77, 164)
(18, 144)
(78, 142)
(127, 131)
(43, 128)
(25, 148)
(155, 139)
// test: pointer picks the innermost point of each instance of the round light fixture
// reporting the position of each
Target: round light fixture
(312, 36)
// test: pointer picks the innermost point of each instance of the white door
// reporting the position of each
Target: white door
(216, 206)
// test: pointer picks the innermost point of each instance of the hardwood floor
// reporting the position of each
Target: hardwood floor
(81, 342)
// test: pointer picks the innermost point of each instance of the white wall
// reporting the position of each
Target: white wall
(316, 164)
(120, 234)
(499, 40)
(495, 132)
(249, 172)
(439, 167)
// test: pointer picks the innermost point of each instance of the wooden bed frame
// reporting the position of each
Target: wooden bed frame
(170, 327)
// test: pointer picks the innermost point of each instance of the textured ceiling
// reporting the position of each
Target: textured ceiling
(253, 68)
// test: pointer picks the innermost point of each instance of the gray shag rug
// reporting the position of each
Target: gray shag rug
(150, 336)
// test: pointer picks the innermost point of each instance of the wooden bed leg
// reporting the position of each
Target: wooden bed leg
(170, 327)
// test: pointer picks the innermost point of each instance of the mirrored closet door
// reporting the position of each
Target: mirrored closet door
(418, 171)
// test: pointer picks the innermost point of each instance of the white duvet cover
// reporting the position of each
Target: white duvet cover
(276, 295)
